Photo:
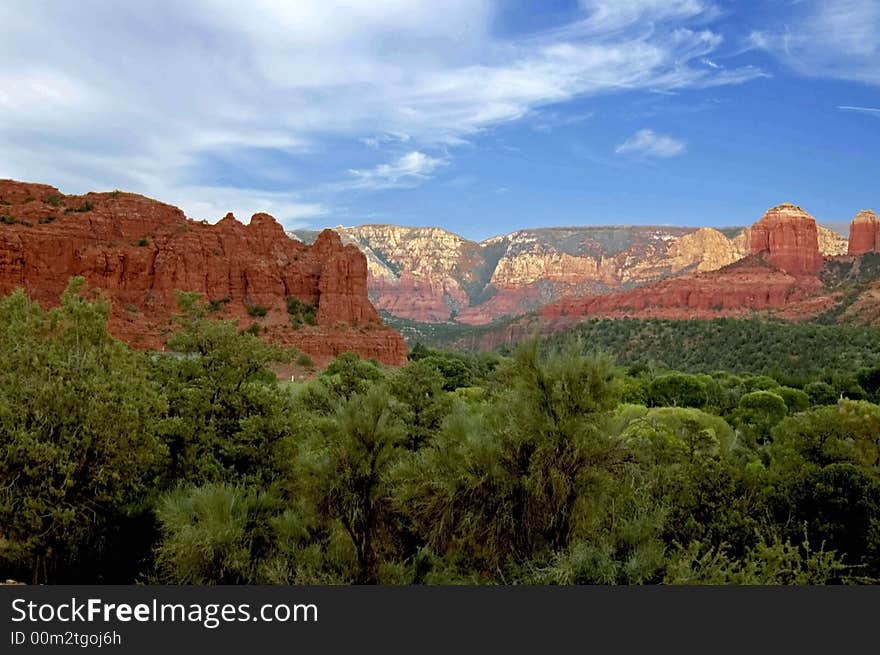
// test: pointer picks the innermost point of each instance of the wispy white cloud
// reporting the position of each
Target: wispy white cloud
(408, 170)
(828, 38)
(604, 16)
(648, 144)
(379, 140)
(147, 92)
(547, 121)
(874, 111)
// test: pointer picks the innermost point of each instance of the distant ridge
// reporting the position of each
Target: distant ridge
(435, 276)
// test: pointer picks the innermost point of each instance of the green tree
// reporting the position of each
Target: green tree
(756, 415)
(224, 534)
(795, 399)
(226, 411)
(678, 390)
(821, 393)
(348, 375)
(676, 433)
(869, 379)
(77, 430)
(454, 371)
(419, 387)
(345, 469)
(513, 483)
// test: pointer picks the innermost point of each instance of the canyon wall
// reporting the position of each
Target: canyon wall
(434, 276)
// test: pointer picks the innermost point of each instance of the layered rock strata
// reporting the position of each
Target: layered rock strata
(139, 252)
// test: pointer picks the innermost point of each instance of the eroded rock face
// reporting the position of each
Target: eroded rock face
(831, 244)
(786, 236)
(139, 252)
(741, 289)
(864, 233)
(431, 275)
(734, 291)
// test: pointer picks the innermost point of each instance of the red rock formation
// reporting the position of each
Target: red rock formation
(418, 298)
(739, 289)
(139, 252)
(742, 289)
(864, 233)
(787, 238)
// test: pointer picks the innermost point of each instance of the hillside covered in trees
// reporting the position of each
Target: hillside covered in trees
(627, 453)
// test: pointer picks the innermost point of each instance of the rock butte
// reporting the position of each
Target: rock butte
(138, 252)
(864, 233)
(787, 238)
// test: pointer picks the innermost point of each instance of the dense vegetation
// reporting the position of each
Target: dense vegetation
(759, 346)
(551, 465)
(796, 351)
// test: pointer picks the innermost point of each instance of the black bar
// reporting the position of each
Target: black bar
(458, 619)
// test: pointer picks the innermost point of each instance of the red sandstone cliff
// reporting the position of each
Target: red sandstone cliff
(139, 252)
(740, 289)
(778, 278)
(787, 238)
(779, 274)
(431, 275)
(864, 233)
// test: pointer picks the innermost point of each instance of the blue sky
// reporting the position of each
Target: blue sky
(478, 116)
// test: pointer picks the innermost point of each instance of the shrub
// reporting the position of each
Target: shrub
(677, 390)
(300, 313)
(257, 311)
(9, 220)
(215, 306)
(821, 393)
(305, 361)
(85, 207)
(55, 200)
(144, 242)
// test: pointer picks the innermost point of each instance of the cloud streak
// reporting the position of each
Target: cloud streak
(827, 38)
(408, 170)
(147, 94)
(873, 111)
(647, 144)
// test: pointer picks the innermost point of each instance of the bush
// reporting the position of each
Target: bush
(678, 390)
(215, 306)
(795, 399)
(143, 243)
(257, 311)
(300, 313)
(305, 361)
(821, 393)
(85, 207)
